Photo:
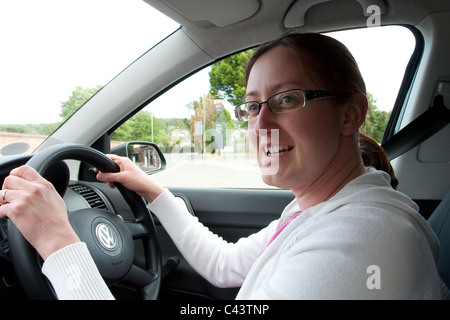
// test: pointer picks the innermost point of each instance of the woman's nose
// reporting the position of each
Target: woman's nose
(264, 121)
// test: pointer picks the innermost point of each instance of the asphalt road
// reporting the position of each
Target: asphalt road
(224, 171)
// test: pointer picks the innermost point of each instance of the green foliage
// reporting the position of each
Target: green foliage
(42, 129)
(213, 121)
(227, 77)
(79, 97)
(142, 127)
(16, 128)
(376, 120)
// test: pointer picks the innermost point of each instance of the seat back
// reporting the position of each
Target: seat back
(440, 223)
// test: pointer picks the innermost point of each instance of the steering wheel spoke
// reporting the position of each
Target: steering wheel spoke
(138, 278)
(138, 230)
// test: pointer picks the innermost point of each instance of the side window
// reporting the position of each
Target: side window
(205, 146)
(382, 54)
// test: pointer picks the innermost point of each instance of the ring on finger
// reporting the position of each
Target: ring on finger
(4, 195)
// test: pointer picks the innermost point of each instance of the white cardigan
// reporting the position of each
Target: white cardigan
(367, 242)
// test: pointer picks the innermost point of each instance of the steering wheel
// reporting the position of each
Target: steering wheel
(110, 240)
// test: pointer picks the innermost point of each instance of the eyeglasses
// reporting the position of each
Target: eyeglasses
(281, 102)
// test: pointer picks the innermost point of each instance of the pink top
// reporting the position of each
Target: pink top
(284, 225)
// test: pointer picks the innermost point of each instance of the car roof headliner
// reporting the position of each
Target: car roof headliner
(218, 30)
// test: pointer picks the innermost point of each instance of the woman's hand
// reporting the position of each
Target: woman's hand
(37, 210)
(132, 178)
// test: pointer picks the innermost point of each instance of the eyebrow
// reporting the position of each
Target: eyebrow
(274, 88)
(251, 93)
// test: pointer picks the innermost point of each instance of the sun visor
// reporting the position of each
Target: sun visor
(219, 12)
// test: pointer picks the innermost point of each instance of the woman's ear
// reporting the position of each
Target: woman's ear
(354, 113)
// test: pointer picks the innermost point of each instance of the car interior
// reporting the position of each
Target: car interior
(416, 138)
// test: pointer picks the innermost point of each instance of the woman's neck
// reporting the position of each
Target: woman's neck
(327, 185)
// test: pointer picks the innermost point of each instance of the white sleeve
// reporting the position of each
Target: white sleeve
(227, 264)
(74, 275)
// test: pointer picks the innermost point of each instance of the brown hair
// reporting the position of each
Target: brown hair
(329, 61)
(373, 155)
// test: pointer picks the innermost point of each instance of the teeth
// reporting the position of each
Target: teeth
(276, 150)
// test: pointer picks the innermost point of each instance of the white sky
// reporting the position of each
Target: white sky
(49, 47)
(382, 67)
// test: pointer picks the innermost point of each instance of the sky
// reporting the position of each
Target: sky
(49, 47)
(382, 67)
(45, 54)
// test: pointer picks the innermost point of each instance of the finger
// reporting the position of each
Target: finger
(14, 182)
(113, 156)
(4, 210)
(119, 160)
(20, 179)
(106, 177)
(3, 199)
(8, 196)
(27, 173)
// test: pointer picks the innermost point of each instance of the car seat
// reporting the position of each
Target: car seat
(440, 223)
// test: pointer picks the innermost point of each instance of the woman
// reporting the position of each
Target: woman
(347, 234)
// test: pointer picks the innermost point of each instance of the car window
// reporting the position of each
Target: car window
(204, 145)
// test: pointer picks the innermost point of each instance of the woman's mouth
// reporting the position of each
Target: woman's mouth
(275, 151)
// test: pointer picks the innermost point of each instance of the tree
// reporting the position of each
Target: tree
(376, 120)
(203, 111)
(227, 77)
(79, 97)
(143, 126)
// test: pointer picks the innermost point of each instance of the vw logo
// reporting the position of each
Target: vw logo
(106, 236)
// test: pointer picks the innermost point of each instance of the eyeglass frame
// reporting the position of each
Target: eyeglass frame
(307, 95)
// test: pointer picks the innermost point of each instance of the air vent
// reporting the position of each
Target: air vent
(92, 197)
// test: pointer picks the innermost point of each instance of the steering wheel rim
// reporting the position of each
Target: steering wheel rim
(145, 280)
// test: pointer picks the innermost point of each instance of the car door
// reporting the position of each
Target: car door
(229, 213)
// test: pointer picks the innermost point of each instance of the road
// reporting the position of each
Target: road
(225, 171)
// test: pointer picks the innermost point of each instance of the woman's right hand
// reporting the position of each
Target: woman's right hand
(132, 178)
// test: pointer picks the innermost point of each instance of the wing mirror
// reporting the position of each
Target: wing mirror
(145, 155)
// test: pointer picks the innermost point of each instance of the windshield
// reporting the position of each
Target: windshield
(56, 54)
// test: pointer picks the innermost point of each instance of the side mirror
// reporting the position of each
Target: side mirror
(145, 155)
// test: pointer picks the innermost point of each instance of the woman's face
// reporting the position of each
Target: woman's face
(295, 149)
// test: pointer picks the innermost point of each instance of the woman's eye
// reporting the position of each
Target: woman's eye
(288, 99)
(253, 107)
